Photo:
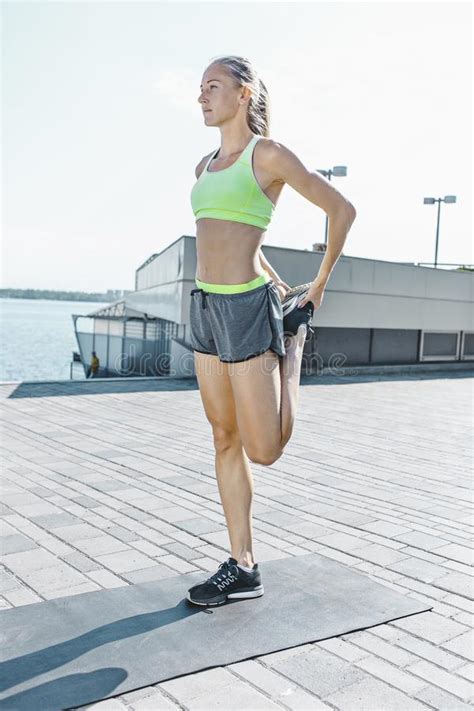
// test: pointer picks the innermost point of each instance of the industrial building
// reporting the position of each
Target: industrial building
(373, 312)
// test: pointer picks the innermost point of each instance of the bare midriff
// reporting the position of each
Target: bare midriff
(227, 251)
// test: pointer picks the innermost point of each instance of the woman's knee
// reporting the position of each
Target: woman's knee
(259, 455)
(225, 438)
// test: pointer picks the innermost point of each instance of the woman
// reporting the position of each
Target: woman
(248, 327)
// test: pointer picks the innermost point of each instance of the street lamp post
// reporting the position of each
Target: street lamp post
(431, 201)
(338, 170)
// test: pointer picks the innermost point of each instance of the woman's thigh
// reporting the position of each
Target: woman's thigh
(216, 393)
(256, 388)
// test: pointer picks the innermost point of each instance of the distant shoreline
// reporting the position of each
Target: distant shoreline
(61, 295)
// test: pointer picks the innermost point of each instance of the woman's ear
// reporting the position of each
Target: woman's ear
(245, 94)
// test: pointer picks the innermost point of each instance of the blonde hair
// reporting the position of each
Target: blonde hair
(242, 71)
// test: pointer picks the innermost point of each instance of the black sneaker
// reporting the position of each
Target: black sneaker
(228, 582)
(293, 316)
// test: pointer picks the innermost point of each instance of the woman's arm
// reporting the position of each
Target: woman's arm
(339, 224)
(268, 267)
(281, 285)
(286, 167)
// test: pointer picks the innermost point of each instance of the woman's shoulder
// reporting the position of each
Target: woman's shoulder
(269, 145)
(269, 154)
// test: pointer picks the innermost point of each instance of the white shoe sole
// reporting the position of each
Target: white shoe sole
(251, 593)
(240, 595)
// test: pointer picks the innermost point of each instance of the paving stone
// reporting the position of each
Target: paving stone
(53, 578)
(175, 514)
(439, 699)
(458, 583)
(154, 702)
(340, 557)
(181, 550)
(100, 546)
(341, 648)
(15, 544)
(151, 503)
(384, 541)
(318, 671)
(125, 561)
(278, 518)
(378, 554)
(463, 554)
(175, 564)
(386, 528)
(308, 529)
(419, 554)
(430, 626)
(458, 567)
(426, 541)
(389, 673)
(76, 532)
(123, 534)
(42, 492)
(86, 501)
(465, 618)
(448, 681)
(21, 596)
(418, 569)
(462, 645)
(107, 705)
(420, 648)
(466, 671)
(58, 548)
(22, 498)
(26, 561)
(212, 688)
(351, 518)
(33, 510)
(156, 572)
(51, 521)
(106, 579)
(373, 695)
(452, 513)
(147, 547)
(185, 538)
(81, 562)
(134, 513)
(6, 529)
(108, 485)
(7, 581)
(67, 591)
(277, 687)
(373, 644)
(341, 541)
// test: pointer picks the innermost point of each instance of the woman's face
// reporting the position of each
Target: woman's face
(219, 98)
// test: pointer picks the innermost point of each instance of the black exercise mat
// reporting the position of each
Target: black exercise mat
(75, 650)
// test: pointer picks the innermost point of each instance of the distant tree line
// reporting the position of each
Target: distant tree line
(61, 295)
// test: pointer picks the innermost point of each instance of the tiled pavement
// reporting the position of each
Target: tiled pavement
(110, 484)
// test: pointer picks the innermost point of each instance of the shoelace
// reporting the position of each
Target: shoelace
(223, 574)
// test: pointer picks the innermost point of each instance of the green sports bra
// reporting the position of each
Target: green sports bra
(232, 193)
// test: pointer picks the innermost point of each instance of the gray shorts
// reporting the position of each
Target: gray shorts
(238, 326)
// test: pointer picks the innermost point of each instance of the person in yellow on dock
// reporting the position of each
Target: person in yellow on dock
(94, 366)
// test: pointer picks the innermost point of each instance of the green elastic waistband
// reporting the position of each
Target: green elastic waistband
(234, 288)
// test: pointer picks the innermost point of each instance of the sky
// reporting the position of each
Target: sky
(102, 129)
